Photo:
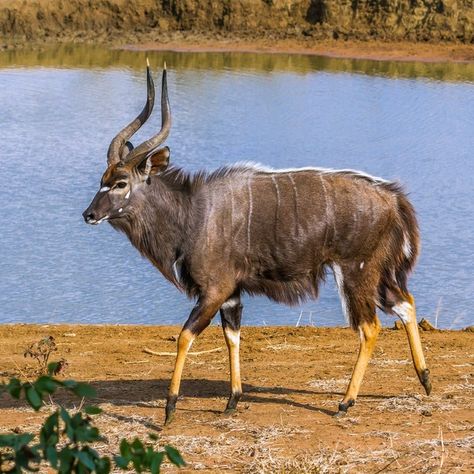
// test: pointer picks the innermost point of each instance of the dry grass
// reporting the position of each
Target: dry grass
(269, 462)
(415, 404)
(390, 363)
(286, 346)
(228, 448)
(330, 384)
(465, 386)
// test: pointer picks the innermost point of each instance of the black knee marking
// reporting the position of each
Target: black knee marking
(231, 313)
(170, 408)
(425, 380)
(343, 407)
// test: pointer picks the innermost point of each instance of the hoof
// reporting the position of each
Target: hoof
(229, 411)
(169, 418)
(232, 403)
(170, 409)
(343, 407)
(425, 381)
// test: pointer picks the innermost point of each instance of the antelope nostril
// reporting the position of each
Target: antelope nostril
(88, 216)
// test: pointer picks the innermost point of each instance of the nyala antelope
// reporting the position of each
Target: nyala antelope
(246, 228)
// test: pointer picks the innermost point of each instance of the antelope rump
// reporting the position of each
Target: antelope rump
(247, 228)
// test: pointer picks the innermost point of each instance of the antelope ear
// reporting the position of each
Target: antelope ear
(157, 162)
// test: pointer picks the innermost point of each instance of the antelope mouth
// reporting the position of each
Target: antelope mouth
(97, 221)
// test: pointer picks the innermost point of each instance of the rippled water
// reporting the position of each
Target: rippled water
(59, 108)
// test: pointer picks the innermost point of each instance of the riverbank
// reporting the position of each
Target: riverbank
(383, 30)
(293, 379)
(373, 50)
(197, 43)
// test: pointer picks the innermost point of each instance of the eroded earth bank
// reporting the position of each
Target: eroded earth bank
(382, 29)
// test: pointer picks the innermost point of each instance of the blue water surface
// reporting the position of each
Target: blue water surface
(57, 122)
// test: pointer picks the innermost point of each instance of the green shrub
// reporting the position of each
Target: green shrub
(65, 439)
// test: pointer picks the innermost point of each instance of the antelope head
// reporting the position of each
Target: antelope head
(129, 169)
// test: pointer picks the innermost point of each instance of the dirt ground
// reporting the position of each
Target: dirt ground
(375, 50)
(293, 380)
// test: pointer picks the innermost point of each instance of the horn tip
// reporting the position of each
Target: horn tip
(164, 66)
(147, 62)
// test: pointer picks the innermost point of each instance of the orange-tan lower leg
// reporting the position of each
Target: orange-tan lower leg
(232, 339)
(185, 341)
(198, 320)
(368, 337)
(406, 311)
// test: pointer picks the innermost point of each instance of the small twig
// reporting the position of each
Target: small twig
(149, 351)
(51, 401)
(299, 319)
(442, 450)
(137, 361)
(391, 462)
(21, 371)
(81, 404)
(438, 311)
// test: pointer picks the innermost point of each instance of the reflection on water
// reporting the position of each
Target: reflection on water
(88, 56)
(57, 121)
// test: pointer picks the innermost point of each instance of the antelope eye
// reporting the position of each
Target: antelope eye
(121, 184)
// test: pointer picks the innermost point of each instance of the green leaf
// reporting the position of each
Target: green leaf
(121, 462)
(148, 456)
(15, 441)
(174, 456)
(92, 410)
(7, 441)
(14, 388)
(156, 462)
(102, 465)
(33, 398)
(53, 367)
(125, 450)
(52, 456)
(84, 390)
(23, 439)
(66, 461)
(137, 445)
(46, 384)
(79, 388)
(86, 433)
(65, 416)
(86, 459)
(137, 464)
(49, 432)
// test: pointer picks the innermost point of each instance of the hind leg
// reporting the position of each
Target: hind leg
(368, 336)
(356, 288)
(405, 310)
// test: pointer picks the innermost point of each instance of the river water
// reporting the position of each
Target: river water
(59, 109)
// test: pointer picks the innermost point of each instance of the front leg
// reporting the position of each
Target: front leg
(199, 319)
(231, 314)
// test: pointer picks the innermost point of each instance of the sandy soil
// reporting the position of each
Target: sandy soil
(293, 379)
(375, 50)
